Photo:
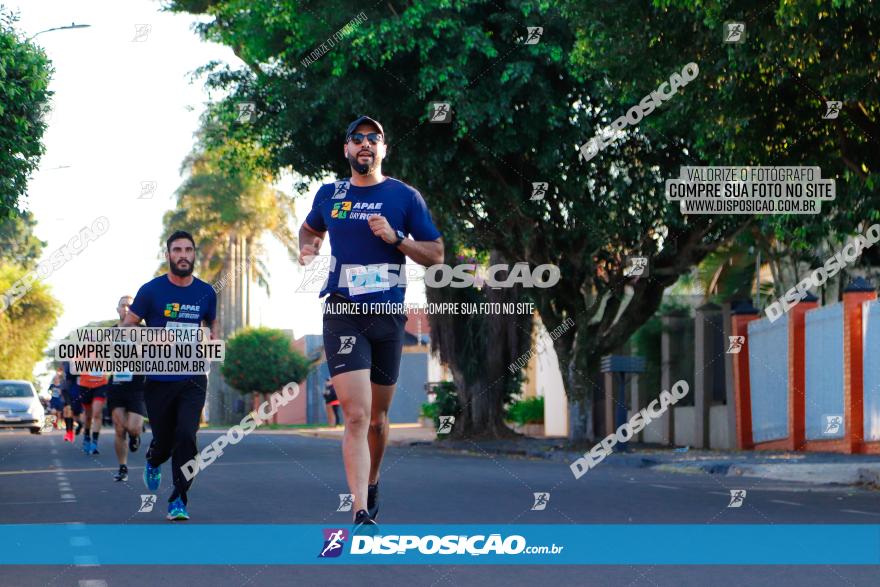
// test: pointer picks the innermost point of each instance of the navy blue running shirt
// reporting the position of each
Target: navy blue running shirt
(160, 303)
(342, 208)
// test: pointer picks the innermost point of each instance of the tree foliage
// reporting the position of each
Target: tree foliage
(18, 244)
(25, 326)
(25, 72)
(262, 360)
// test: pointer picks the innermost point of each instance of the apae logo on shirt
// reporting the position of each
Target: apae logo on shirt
(177, 310)
(356, 210)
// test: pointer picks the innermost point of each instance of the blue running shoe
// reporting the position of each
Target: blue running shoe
(152, 477)
(87, 446)
(177, 511)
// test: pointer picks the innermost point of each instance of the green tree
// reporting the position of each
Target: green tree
(25, 326)
(520, 113)
(262, 360)
(25, 72)
(18, 245)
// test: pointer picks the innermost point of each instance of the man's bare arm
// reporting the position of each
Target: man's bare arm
(425, 253)
(131, 319)
(309, 242)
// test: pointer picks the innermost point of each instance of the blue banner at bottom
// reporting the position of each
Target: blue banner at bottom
(607, 544)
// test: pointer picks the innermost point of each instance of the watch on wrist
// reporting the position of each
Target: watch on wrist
(400, 237)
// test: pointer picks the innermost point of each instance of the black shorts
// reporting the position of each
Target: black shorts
(363, 341)
(88, 394)
(128, 397)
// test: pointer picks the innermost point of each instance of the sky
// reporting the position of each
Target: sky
(124, 111)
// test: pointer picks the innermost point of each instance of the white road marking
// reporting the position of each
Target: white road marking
(5, 503)
(68, 496)
(663, 486)
(785, 502)
(861, 512)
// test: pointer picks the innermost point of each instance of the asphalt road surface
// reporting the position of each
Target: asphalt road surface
(287, 479)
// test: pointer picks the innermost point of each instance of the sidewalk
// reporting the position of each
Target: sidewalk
(814, 468)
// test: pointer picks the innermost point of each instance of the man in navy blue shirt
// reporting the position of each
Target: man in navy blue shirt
(370, 219)
(174, 401)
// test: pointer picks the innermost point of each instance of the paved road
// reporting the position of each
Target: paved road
(288, 479)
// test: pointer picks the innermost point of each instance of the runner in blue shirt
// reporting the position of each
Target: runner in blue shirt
(370, 218)
(125, 399)
(174, 402)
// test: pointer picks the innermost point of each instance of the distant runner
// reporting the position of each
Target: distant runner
(125, 399)
(174, 402)
(92, 397)
(331, 404)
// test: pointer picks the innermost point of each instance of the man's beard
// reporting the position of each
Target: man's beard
(180, 272)
(363, 168)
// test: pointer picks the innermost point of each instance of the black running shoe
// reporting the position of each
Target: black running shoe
(134, 442)
(373, 500)
(122, 475)
(364, 525)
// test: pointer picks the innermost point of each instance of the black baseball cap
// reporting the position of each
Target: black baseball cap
(360, 120)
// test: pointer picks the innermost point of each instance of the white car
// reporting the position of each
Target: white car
(20, 406)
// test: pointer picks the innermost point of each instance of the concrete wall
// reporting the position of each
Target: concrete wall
(823, 375)
(871, 338)
(768, 372)
(719, 436)
(684, 425)
(548, 383)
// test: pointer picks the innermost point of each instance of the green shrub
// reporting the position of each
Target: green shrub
(527, 411)
(428, 411)
(446, 403)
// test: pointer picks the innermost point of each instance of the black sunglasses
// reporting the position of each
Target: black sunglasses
(358, 137)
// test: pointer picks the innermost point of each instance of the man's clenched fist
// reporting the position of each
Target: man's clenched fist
(308, 249)
(380, 227)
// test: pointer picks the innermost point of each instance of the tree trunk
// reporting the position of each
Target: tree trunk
(478, 349)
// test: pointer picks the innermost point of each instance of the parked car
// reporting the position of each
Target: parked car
(20, 406)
